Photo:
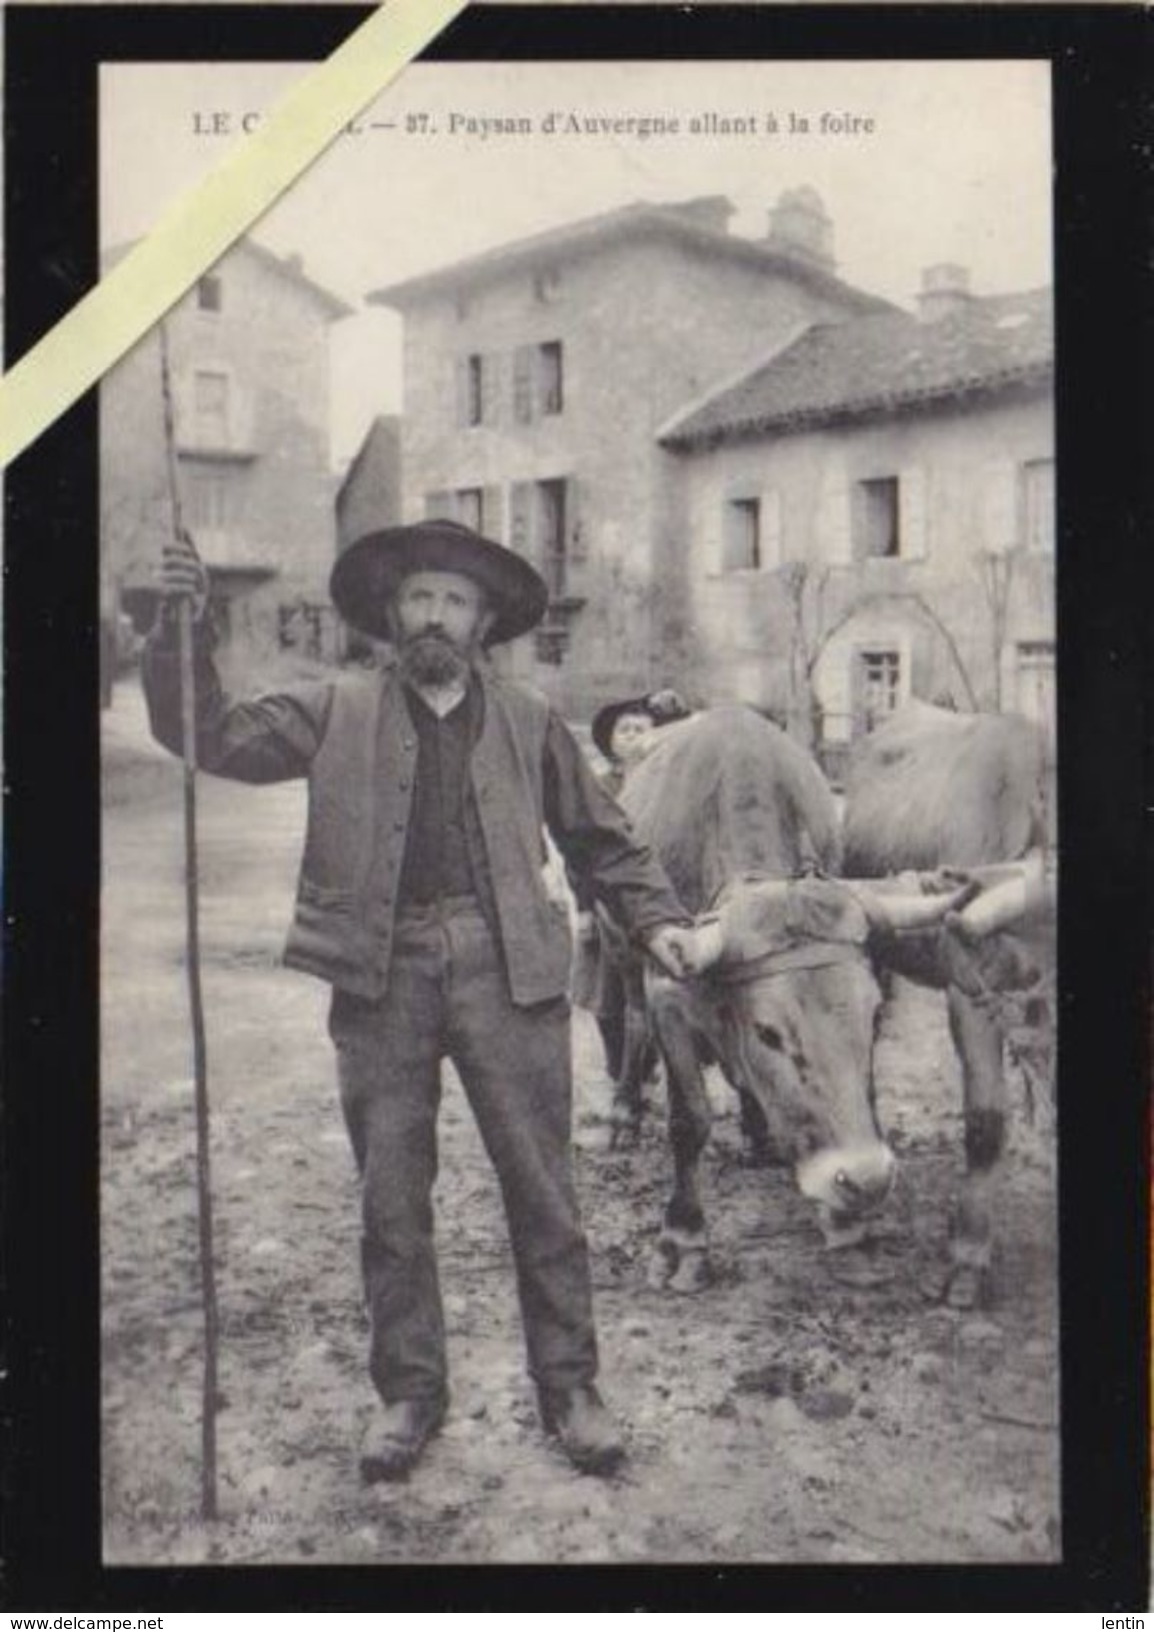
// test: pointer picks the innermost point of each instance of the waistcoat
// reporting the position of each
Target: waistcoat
(360, 792)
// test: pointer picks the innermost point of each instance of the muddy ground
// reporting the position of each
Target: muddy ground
(793, 1411)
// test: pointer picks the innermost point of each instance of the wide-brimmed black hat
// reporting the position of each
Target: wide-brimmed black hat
(371, 569)
(663, 708)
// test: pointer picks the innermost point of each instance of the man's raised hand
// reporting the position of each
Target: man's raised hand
(182, 573)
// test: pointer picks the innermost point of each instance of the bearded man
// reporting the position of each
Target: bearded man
(422, 901)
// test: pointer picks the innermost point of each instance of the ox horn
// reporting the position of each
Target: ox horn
(909, 909)
(1026, 893)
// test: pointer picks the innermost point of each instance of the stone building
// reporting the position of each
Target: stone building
(740, 475)
(249, 370)
(369, 496)
(870, 514)
(537, 378)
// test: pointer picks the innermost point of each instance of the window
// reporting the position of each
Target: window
(551, 502)
(1037, 488)
(210, 396)
(538, 381)
(546, 283)
(481, 508)
(741, 545)
(878, 685)
(474, 390)
(209, 294)
(544, 526)
(211, 499)
(549, 377)
(876, 531)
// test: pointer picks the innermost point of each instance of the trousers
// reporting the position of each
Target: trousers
(448, 997)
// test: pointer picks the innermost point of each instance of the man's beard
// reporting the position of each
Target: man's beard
(432, 659)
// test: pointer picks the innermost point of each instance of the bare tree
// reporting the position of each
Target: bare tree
(804, 587)
(996, 572)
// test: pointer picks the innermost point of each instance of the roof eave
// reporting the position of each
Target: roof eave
(876, 406)
(335, 306)
(500, 262)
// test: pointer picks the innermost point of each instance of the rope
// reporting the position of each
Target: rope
(813, 955)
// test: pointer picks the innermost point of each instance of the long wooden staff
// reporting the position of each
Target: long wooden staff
(192, 963)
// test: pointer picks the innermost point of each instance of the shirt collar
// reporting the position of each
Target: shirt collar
(415, 694)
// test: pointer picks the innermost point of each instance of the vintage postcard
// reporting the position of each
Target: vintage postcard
(617, 505)
(754, 362)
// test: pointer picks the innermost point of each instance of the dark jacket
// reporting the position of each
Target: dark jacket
(353, 738)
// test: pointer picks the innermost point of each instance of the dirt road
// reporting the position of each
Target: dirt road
(787, 1413)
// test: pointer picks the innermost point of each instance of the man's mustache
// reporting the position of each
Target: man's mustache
(434, 633)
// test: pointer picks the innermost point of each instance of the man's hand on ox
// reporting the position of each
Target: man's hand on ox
(183, 575)
(674, 948)
(586, 927)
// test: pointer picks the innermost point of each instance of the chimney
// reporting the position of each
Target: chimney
(800, 227)
(712, 210)
(945, 291)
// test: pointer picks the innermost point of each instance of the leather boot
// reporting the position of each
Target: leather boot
(590, 1438)
(397, 1436)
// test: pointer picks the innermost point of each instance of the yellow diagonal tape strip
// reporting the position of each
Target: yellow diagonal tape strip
(195, 233)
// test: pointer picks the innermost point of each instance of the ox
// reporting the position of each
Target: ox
(963, 791)
(782, 993)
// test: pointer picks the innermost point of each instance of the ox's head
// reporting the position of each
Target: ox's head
(790, 1000)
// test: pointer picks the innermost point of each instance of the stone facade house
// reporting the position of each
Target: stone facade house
(870, 515)
(249, 369)
(537, 378)
(738, 474)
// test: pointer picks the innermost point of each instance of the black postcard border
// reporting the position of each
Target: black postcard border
(50, 1540)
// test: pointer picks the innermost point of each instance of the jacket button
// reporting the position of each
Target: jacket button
(399, 827)
(403, 784)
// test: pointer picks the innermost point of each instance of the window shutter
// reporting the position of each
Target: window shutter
(521, 536)
(999, 505)
(835, 686)
(439, 503)
(771, 539)
(834, 528)
(523, 361)
(461, 387)
(490, 391)
(469, 507)
(1038, 504)
(492, 513)
(576, 542)
(856, 691)
(912, 514)
(741, 535)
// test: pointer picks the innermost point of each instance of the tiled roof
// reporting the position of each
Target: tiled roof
(875, 365)
(689, 223)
